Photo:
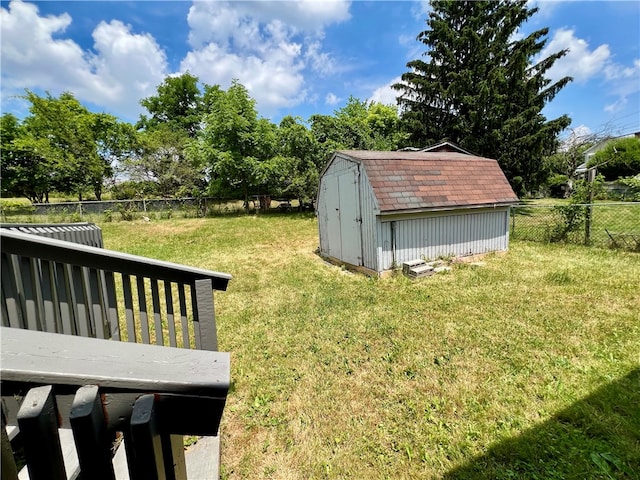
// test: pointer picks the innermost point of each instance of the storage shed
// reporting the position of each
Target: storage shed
(379, 209)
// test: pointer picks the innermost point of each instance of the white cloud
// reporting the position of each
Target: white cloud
(580, 62)
(616, 106)
(132, 65)
(421, 9)
(273, 81)
(546, 8)
(624, 81)
(332, 99)
(267, 46)
(577, 136)
(385, 94)
(124, 68)
(320, 62)
(584, 64)
(218, 21)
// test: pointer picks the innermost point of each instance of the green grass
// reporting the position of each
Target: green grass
(527, 367)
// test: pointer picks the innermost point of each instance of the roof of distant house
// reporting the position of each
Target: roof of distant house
(411, 181)
(443, 146)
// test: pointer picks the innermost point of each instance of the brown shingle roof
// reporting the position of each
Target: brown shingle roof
(407, 181)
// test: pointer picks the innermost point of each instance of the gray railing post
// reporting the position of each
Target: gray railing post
(145, 433)
(93, 443)
(204, 315)
(38, 422)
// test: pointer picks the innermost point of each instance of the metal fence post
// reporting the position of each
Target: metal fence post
(512, 211)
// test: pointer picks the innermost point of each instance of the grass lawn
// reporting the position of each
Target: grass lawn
(527, 367)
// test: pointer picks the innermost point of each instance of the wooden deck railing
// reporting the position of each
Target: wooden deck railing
(57, 286)
(52, 287)
(98, 388)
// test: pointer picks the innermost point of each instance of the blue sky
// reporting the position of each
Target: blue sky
(296, 58)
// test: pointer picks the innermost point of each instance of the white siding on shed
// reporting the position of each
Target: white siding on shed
(368, 211)
(443, 235)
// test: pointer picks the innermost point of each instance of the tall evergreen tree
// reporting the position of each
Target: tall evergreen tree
(483, 87)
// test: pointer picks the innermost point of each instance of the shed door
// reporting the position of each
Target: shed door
(332, 202)
(349, 214)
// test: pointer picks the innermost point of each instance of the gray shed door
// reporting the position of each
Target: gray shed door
(349, 218)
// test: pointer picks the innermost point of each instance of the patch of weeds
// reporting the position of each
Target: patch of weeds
(127, 211)
(76, 217)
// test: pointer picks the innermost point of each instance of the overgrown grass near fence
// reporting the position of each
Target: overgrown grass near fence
(539, 222)
(526, 367)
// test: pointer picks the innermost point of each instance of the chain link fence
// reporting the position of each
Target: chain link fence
(614, 225)
(148, 209)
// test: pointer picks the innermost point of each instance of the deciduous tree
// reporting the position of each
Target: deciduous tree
(177, 105)
(359, 125)
(61, 145)
(233, 141)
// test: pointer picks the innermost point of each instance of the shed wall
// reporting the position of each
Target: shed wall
(368, 225)
(432, 236)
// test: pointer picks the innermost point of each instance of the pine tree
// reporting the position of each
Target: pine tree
(478, 87)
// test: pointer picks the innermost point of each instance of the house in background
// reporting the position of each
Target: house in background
(443, 146)
(589, 153)
(379, 209)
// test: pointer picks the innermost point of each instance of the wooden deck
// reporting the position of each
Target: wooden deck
(75, 391)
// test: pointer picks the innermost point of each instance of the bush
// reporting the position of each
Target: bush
(15, 207)
(633, 184)
(620, 158)
(127, 211)
(571, 218)
(558, 186)
(129, 190)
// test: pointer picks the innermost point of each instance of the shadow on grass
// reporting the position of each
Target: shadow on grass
(597, 437)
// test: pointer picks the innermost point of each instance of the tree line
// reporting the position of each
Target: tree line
(479, 84)
(192, 141)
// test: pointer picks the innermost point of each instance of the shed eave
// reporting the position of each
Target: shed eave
(445, 208)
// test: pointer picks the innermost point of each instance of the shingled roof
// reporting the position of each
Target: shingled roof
(410, 181)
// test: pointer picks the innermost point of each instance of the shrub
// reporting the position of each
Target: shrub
(633, 184)
(127, 211)
(571, 217)
(620, 158)
(16, 207)
(129, 189)
(558, 186)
